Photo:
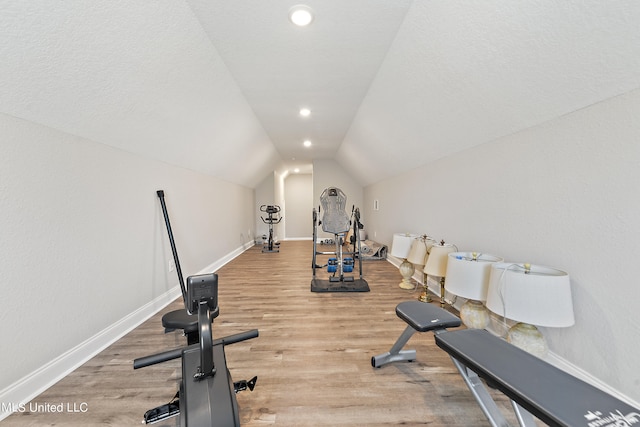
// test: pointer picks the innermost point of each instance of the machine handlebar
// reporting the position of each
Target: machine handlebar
(165, 356)
(154, 359)
(232, 339)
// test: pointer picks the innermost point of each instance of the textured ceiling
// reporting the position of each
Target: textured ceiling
(216, 85)
(463, 73)
(326, 67)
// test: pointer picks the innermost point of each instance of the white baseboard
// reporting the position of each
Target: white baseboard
(30, 386)
(216, 265)
(577, 372)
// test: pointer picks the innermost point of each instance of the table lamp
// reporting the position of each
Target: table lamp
(437, 264)
(400, 248)
(418, 257)
(468, 277)
(530, 295)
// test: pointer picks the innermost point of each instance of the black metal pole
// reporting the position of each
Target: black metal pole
(165, 356)
(357, 226)
(173, 245)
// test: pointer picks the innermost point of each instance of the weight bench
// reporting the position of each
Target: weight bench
(535, 387)
(420, 317)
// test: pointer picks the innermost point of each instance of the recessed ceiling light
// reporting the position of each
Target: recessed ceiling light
(301, 15)
(296, 170)
(307, 143)
(305, 112)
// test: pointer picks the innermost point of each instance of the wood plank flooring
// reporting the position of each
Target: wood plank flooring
(312, 357)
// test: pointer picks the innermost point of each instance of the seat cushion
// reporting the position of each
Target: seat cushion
(426, 317)
(180, 319)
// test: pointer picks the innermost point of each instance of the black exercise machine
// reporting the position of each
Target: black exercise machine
(336, 221)
(207, 392)
(178, 319)
(273, 217)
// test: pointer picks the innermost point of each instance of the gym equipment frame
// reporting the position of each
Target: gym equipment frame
(336, 221)
(273, 217)
(207, 392)
(178, 319)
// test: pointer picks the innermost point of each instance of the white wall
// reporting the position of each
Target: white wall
(84, 243)
(463, 73)
(279, 196)
(141, 76)
(298, 191)
(328, 173)
(562, 194)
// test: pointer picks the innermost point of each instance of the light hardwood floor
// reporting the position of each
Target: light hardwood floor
(312, 357)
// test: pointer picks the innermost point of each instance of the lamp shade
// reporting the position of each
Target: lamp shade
(419, 250)
(468, 274)
(401, 244)
(437, 260)
(530, 294)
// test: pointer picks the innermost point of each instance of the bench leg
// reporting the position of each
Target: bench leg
(524, 417)
(482, 396)
(486, 402)
(396, 354)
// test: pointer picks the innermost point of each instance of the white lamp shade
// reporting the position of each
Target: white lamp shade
(468, 274)
(541, 297)
(402, 244)
(419, 249)
(437, 260)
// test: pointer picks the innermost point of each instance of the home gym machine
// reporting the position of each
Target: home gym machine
(207, 392)
(178, 319)
(273, 217)
(336, 221)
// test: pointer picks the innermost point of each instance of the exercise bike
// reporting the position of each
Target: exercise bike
(207, 392)
(273, 217)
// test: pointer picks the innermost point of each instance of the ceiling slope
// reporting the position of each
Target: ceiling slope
(462, 73)
(326, 67)
(141, 76)
(216, 85)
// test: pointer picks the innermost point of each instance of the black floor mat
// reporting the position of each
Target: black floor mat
(358, 285)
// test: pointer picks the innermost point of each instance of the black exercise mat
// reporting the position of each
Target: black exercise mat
(358, 285)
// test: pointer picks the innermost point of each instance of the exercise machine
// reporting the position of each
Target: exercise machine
(273, 217)
(536, 388)
(207, 395)
(178, 319)
(336, 221)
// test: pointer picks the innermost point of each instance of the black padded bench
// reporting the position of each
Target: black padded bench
(420, 317)
(534, 386)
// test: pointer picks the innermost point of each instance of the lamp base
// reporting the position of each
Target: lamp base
(528, 338)
(474, 314)
(424, 296)
(406, 271)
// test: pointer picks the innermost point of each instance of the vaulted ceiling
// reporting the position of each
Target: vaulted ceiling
(216, 85)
